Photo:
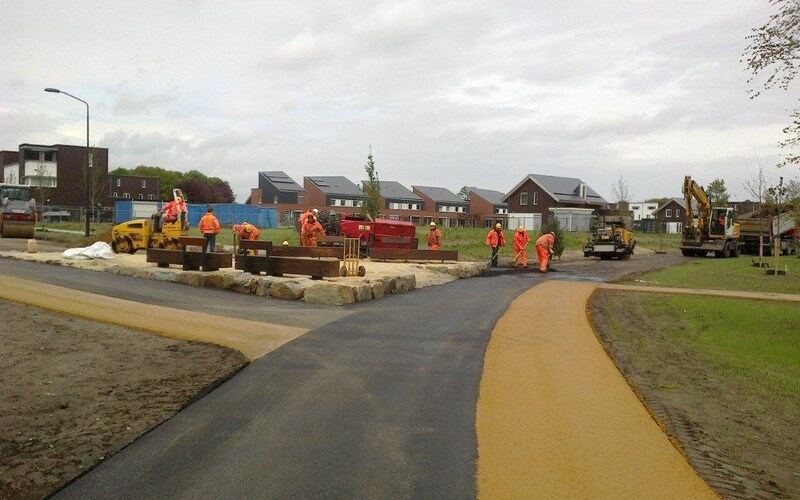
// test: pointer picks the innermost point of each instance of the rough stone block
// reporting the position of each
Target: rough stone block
(330, 293)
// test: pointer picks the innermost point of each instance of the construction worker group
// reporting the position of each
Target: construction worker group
(311, 230)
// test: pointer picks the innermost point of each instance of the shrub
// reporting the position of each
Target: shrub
(553, 225)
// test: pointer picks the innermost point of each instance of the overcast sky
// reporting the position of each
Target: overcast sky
(448, 93)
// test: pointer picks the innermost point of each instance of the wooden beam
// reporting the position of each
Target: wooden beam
(412, 254)
(255, 245)
(194, 260)
(281, 251)
(278, 266)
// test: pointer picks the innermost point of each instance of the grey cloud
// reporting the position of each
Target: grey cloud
(128, 104)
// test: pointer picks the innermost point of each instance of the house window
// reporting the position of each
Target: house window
(144, 184)
(119, 182)
(523, 198)
(536, 197)
(488, 223)
(299, 199)
(141, 196)
(582, 191)
(150, 196)
(116, 195)
(275, 198)
(126, 195)
(669, 212)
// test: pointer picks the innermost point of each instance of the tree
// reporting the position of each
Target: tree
(372, 189)
(620, 190)
(464, 192)
(793, 192)
(213, 190)
(42, 181)
(717, 193)
(774, 50)
(757, 186)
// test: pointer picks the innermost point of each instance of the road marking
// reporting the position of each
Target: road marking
(556, 419)
(252, 338)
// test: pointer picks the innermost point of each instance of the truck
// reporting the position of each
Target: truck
(763, 227)
(712, 231)
(610, 239)
(373, 233)
(17, 211)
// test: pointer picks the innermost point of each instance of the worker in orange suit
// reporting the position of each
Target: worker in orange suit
(521, 240)
(209, 226)
(303, 218)
(310, 231)
(544, 249)
(434, 237)
(496, 239)
(246, 231)
(170, 210)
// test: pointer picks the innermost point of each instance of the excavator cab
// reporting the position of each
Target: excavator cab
(721, 224)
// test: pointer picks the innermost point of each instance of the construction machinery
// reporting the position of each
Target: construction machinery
(712, 231)
(610, 238)
(764, 227)
(372, 233)
(17, 212)
(128, 237)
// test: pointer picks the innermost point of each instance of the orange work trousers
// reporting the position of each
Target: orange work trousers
(522, 256)
(544, 257)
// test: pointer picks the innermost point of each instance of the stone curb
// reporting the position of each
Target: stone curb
(328, 292)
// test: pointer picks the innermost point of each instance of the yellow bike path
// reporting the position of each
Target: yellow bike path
(252, 338)
(556, 419)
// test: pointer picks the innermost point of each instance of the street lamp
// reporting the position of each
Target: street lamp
(88, 161)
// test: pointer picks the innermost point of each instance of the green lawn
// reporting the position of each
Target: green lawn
(726, 274)
(730, 367)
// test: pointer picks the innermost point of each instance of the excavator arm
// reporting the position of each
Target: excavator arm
(692, 190)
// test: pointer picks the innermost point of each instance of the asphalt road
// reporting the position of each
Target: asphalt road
(377, 403)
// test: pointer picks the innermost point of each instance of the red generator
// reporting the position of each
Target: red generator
(378, 233)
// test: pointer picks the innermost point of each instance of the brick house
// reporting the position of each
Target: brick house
(399, 203)
(487, 208)
(536, 198)
(133, 187)
(276, 189)
(673, 214)
(335, 193)
(59, 171)
(442, 206)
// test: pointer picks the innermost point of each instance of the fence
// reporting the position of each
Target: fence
(60, 213)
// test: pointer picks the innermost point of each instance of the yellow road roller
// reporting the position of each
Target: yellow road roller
(17, 211)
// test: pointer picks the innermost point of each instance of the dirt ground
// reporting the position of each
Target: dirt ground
(740, 454)
(73, 392)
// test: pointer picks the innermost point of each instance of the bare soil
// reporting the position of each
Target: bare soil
(705, 413)
(73, 392)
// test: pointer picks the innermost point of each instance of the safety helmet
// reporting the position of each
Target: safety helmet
(433, 224)
(521, 229)
(315, 211)
(553, 233)
(247, 228)
(285, 243)
(498, 226)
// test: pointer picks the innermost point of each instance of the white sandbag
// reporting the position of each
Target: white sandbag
(98, 250)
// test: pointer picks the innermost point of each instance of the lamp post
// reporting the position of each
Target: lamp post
(88, 160)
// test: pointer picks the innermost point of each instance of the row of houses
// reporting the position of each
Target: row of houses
(530, 203)
(59, 172)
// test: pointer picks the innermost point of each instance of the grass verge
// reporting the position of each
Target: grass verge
(724, 274)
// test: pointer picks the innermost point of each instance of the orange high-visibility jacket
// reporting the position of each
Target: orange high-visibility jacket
(244, 235)
(170, 211)
(208, 224)
(495, 238)
(312, 230)
(546, 241)
(434, 239)
(520, 239)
